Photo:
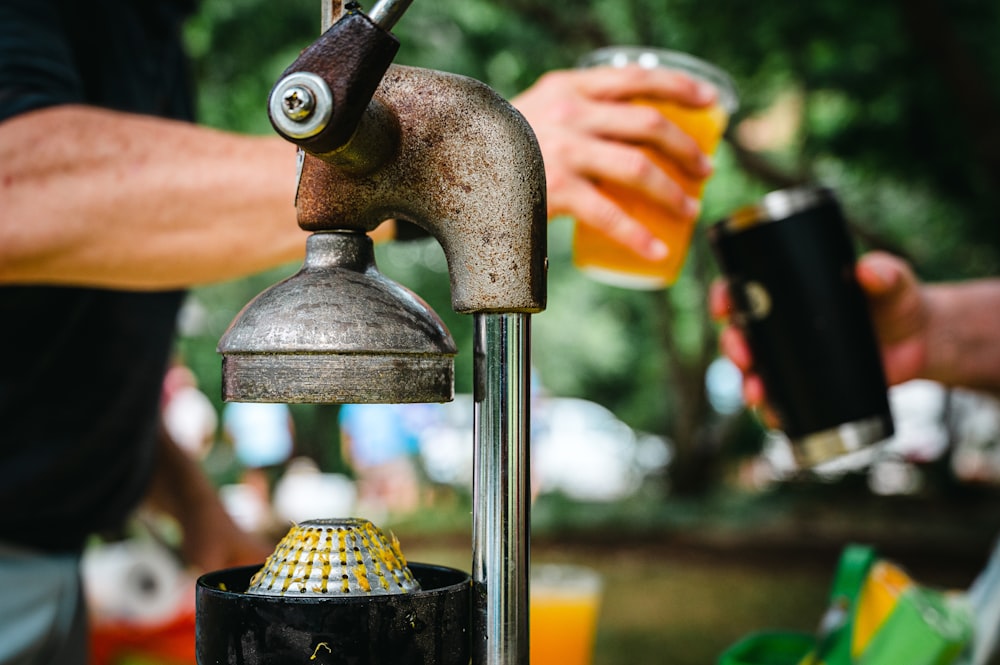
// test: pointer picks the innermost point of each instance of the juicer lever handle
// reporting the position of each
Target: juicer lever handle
(320, 100)
(386, 13)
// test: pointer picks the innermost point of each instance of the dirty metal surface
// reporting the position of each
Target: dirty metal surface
(468, 170)
(338, 331)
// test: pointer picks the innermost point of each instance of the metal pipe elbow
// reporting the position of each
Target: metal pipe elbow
(467, 169)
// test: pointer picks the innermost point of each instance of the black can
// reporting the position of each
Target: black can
(789, 262)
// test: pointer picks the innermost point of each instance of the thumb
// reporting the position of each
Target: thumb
(881, 274)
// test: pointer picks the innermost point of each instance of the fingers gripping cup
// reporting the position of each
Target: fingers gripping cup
(789, 262)
(610, 262)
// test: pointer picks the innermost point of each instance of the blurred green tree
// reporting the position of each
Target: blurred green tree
(894, 104)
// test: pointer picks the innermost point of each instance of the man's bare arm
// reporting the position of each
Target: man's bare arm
(100, 198)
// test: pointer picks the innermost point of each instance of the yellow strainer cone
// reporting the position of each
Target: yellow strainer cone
(334, 557)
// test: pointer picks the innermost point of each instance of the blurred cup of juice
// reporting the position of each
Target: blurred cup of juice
(564, 605)
(603, 258)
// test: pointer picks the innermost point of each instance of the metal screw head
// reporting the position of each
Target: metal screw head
(298, 103)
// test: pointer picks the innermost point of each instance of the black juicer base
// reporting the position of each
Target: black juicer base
(429, 627)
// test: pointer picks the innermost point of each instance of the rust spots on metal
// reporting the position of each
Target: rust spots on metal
(467, 169)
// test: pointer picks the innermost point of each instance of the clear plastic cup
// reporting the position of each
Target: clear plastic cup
(611, 262)
(564, 607)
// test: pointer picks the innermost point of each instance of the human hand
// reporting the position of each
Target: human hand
(899, 313)
(210, 538)
(589, 132)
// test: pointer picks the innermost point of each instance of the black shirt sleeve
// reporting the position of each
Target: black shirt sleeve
(125, 55)
(80, 386)
(37, 67)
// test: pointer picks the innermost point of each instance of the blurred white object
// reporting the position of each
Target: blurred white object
(446, 446)
(305, 493)
(891, 477)
(975, 426)
(585, 452)
(246, 506)
(134, 581)
(188, 416)
(724, 385)
(262, 433)
(918, 411)
(931, 421)
(578, 448)
(191, 421)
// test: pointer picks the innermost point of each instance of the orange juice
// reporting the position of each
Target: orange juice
(563, 615)
(611, 262)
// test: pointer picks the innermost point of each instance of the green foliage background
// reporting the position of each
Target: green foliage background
(900, 111)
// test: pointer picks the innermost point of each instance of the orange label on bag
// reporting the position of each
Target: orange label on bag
(879, 595)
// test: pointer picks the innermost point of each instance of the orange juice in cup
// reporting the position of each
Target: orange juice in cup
(563, 614)
(607, 260)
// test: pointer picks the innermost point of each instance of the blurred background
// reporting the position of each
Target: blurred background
(647, 465)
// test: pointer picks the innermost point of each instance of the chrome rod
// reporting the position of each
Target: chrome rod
(386, 13)
(501, 493)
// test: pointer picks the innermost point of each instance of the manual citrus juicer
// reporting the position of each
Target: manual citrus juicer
(380, 141)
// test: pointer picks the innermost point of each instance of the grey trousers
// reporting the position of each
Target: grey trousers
(43, 619)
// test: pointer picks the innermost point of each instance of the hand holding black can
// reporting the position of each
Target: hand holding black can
(789, 264)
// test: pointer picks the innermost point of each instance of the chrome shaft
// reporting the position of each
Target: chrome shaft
(386, 13)
(501, 492)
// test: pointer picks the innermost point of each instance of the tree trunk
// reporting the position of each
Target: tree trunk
(693, 469)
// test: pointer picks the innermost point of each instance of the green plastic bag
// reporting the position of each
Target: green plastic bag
(767, 648)
(876, 615)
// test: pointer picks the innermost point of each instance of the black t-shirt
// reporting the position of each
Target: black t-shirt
(82, 368)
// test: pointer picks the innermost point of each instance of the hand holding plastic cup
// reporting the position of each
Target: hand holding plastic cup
(610, 262)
